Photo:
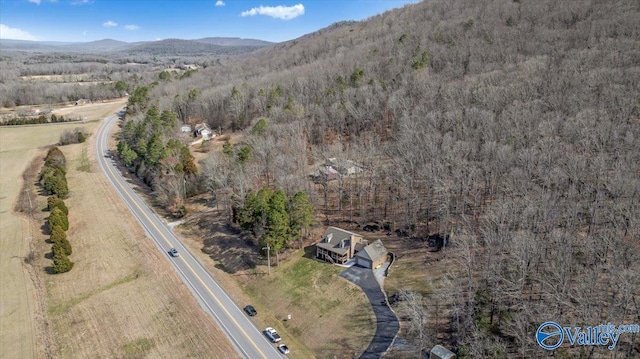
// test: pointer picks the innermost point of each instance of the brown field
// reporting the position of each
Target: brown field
(92, 111)
(58, 78)
(121, 300)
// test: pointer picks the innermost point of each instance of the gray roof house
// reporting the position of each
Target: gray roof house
(338, 245)
(440, 352)
(372, 256)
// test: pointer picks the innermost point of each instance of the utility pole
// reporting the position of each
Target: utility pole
(29, 196)
(268, 248)
(184, 188)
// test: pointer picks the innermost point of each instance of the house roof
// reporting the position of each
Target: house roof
(336, 240)
(373, 251)
(342, 165)
(442, 352)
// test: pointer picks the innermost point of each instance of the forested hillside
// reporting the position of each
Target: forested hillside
(512, 126)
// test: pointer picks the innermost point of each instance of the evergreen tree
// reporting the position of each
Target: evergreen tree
(277, 229)
(61, 263)
(55, 202)
(301, 214)
(58, 218)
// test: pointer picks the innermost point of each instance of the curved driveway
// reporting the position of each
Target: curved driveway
(387, 325)
(247, 339)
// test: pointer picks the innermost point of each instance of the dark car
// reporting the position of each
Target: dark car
(174, 252)
(250, 310)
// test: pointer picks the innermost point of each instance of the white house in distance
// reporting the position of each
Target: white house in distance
(203, 129)
(185, 128)
(344, 167)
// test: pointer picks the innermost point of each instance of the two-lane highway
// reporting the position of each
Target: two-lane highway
(248, 340)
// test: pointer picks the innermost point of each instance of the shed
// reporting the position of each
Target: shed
(185, 128)
(372, 256)
(440, 352)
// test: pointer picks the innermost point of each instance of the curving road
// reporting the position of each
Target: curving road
(247, 339)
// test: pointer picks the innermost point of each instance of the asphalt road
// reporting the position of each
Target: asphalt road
(248, 340)
(387, 325)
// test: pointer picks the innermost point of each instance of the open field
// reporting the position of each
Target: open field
(331, 317)
(121, 300)
(59, 78)
(92, 111)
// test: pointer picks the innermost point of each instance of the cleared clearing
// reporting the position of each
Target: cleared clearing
(121, 300)
(331, 317)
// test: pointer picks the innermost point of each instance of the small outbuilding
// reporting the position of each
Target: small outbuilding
(440, 352)
(372, 256)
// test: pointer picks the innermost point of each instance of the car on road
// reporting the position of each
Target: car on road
(272, 334)
(174, 252)
(251, 311)
(283, 349)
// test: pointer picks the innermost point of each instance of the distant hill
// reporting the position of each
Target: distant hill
(177, 47)
(106, 45)
(233, 41)
(204, 46)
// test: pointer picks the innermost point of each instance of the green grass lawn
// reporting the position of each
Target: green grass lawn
(330, 316)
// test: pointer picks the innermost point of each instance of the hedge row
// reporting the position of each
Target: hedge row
(53, 179)
(53, 175)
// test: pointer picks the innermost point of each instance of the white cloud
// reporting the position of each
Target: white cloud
(220, 3)
(131, 27)
(7, 32)
(81, 2)
(110, 24)
(35, 1)
(278, 12)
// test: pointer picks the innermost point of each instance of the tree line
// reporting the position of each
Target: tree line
(277, 221)
(147, 145)
(53, 180)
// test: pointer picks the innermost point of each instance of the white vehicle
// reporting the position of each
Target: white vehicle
(272, 334)
(283, 349)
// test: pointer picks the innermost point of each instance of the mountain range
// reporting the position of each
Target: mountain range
(207, 45)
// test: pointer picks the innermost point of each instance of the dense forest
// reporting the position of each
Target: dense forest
(511, 126)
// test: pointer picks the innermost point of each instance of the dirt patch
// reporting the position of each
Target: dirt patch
(233, 251)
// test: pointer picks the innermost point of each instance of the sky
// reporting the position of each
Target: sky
(150, 20)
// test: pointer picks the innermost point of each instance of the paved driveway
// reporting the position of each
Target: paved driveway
(386, 320)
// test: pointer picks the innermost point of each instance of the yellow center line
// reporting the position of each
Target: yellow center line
(117, 180)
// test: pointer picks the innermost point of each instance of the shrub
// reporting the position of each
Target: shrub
(55, 202)
(58, 218)
(54, 158)
(57, 185)
(57, 234)
(81, 137)
(62, 246)
(61, 263)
